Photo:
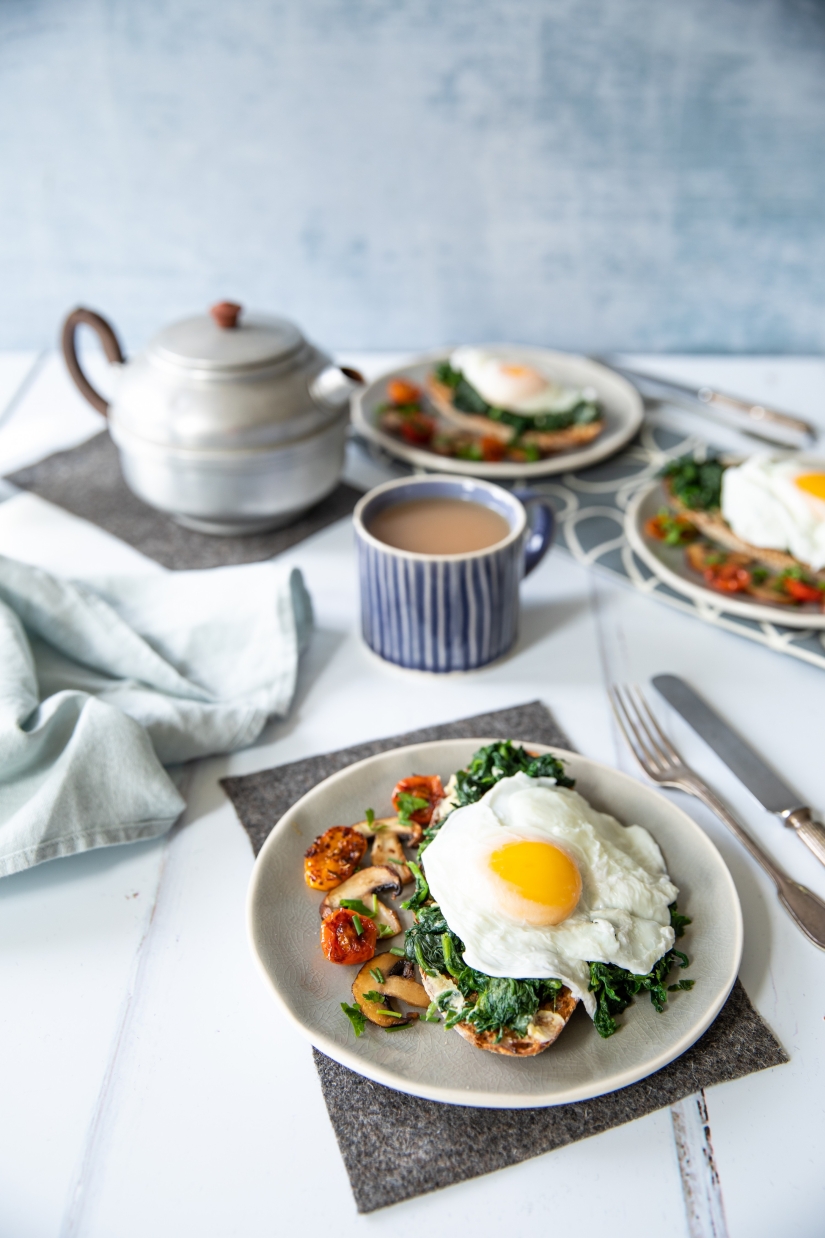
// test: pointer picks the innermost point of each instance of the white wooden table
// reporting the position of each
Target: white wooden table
(151, 1085)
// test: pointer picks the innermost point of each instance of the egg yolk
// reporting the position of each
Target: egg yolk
(542, 883)
(522, 380)
(811, 483)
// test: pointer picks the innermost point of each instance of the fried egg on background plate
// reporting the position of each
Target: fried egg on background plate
(778, 504)
(509, 383)
(537, 884)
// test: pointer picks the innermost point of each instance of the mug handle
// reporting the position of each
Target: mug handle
(540, 535)
(111, 347)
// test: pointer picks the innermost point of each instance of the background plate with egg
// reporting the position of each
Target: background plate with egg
(669, 564)
(620, 402)
(428, 1061)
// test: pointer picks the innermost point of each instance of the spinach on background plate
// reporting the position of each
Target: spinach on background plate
(697, 484)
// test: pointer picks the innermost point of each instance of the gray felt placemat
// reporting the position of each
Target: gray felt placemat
(87, 481)
(401, 1146)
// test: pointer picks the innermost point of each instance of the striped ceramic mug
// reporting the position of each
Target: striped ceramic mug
(450, 612)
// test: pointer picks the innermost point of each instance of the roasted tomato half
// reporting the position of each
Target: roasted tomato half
(801, 591)
(333, 857)
(402, 391)
(492, 449)
(417, 428)
(423, 787)
(341, 940)
(728, 578)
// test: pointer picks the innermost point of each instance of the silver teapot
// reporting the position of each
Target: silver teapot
(229, 422)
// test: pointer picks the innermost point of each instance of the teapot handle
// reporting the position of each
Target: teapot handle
(111, 347)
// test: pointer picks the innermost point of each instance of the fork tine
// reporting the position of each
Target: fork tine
(631, 733)
(664, 742)
(638, 702)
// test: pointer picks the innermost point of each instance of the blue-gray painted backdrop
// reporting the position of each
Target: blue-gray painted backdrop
(592, 174)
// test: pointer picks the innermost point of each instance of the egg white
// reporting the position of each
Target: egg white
(763, 506)
(622, 916)
(536, 393)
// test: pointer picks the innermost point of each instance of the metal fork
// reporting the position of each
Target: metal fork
(661, 762)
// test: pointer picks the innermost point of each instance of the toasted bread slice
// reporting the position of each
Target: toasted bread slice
(550, 1021)
(548, 441)
(714, 527)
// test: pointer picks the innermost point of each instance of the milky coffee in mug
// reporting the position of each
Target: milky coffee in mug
(440, 562)
(439, 526)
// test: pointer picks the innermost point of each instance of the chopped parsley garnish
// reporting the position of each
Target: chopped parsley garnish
(407, 804)
(355, 904)
(697, 484)
(356, 1017)
(369, 816)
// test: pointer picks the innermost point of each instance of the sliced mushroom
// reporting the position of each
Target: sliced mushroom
(409, 831)
(362, 886)
(410, 991)
(445, 806)
(388, 847)
(380, 1011)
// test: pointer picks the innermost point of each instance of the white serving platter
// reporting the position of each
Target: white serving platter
(428, 1061)
(621, 402)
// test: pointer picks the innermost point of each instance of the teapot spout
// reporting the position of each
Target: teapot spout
(334, 385)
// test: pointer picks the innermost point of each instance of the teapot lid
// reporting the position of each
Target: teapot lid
(226, 339)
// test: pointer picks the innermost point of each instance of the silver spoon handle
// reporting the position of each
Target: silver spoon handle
(804, 907)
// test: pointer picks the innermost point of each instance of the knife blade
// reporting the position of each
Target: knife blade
(764, 421)
(766, 786)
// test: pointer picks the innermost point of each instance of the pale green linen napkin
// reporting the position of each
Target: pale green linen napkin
(105, 681)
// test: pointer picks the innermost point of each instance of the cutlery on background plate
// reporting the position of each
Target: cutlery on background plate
(750, 769)
(661, 762)
(764, 421)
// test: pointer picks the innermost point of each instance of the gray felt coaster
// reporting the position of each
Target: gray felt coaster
(87, 481)
(401, 1146)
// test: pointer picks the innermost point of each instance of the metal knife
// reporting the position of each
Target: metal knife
(762, 418)
(750, 769)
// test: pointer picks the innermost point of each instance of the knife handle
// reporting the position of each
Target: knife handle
(810, 831)
(757, 412)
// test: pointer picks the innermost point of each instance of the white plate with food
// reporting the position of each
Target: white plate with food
(744, 536)
(499, 411)
(540, 884)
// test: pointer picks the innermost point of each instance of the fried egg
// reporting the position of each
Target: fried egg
(509, 383)
(538, 884)
(778, 504)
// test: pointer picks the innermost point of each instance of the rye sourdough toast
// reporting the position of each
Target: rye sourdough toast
(549, 1023)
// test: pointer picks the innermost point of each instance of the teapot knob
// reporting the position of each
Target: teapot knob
(225, 314)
